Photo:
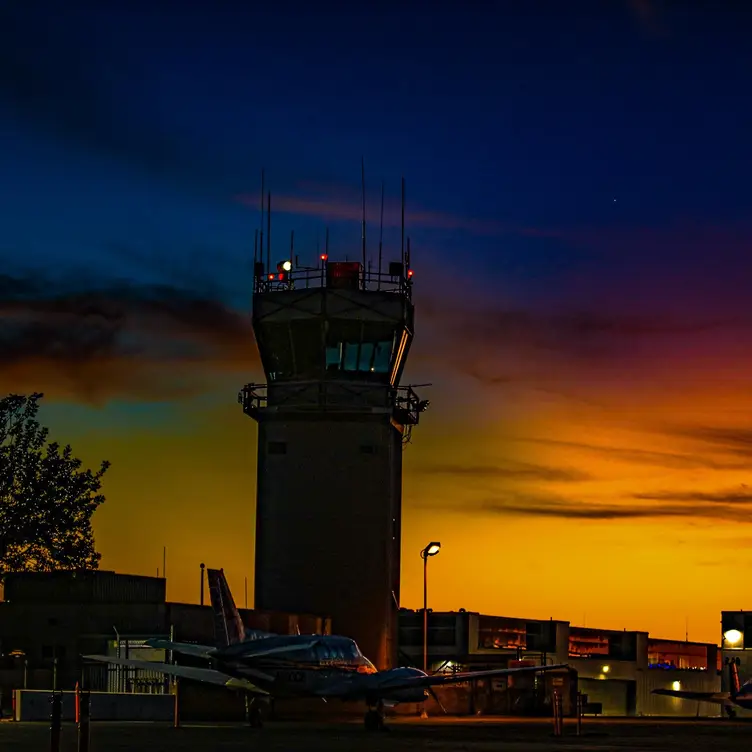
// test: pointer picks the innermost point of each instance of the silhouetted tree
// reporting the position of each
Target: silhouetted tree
(46, 499)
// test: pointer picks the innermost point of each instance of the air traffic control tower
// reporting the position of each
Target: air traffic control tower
(332, 421)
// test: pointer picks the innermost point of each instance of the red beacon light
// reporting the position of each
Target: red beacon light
(409, 273)
(324, 257)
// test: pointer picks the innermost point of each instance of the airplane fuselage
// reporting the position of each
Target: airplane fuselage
(332, 662)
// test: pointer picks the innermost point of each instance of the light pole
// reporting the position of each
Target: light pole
(117, 655)
(430, 550)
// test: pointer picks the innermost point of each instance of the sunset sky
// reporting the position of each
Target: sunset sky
(579, 209)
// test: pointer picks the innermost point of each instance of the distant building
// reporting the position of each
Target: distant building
(736, 644)
(48, 620)
(616, 670)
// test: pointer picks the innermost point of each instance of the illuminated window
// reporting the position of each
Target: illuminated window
(366, 356)
(350, 360)
(382, 356)
(333, 357)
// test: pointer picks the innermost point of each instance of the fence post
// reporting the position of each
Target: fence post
(84, 725)
(579, 714)
(56, 717)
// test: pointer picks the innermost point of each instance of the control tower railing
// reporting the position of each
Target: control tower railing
(333, 396)
(341, 275)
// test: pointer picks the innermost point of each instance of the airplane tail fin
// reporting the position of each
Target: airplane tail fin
(735, 682)
(228, 626)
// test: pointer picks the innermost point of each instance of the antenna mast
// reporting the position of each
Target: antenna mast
(381, 235)
(363, 194)
(261, 244)
(402, 251)
(268, 231)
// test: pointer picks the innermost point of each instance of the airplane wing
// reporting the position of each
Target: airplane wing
(719, 698)
(248, 651)
(207, 675)
(186, 648)
(439, 679)
(375, 683)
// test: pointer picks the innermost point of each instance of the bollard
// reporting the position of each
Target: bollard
(579, 713)
(555, 707)
(56, 717)
(84, 724)
(176, 711)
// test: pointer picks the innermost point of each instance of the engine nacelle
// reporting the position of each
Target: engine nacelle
(408, 694)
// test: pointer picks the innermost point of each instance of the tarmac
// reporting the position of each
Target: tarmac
(443, 734)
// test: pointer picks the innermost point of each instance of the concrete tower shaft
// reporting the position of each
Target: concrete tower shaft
(332, 420)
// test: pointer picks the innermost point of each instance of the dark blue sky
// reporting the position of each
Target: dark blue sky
(579, 205)
(582, 154)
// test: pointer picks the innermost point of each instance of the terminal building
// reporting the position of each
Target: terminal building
(617, 671)
(48, 620)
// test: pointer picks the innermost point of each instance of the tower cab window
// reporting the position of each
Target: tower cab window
(359, 357)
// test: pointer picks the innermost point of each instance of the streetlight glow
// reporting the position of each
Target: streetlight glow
(287, 265)
(733, 636)
(676, 686)
(431, 549)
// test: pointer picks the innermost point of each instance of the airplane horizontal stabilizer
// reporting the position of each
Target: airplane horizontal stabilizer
(186, 648)
(207, 675)
(718, 698)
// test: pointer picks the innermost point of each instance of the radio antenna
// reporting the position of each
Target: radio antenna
(255, 249)
(363, 194)
(261, 244)
(403, 223)
(381, 235)
(268, 231)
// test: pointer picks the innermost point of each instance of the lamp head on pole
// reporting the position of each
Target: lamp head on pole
(430, 550)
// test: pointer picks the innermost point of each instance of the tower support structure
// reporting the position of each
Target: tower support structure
(332, 420)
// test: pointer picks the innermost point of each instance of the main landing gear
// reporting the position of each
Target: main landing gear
(374, 718)
(730, 712)
(253, 712)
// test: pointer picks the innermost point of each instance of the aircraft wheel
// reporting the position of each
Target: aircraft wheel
(254, 717)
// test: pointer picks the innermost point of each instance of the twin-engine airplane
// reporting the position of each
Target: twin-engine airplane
(740, 694)
(268, 666)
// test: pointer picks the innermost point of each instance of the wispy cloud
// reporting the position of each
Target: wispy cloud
(638, 456)
(732, 440)
(532, 505)
(344, 207)
(739, 496)
(507, 470)
(116, 339)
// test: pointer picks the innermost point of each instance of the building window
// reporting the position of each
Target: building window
(277, 447)
(364, 357)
